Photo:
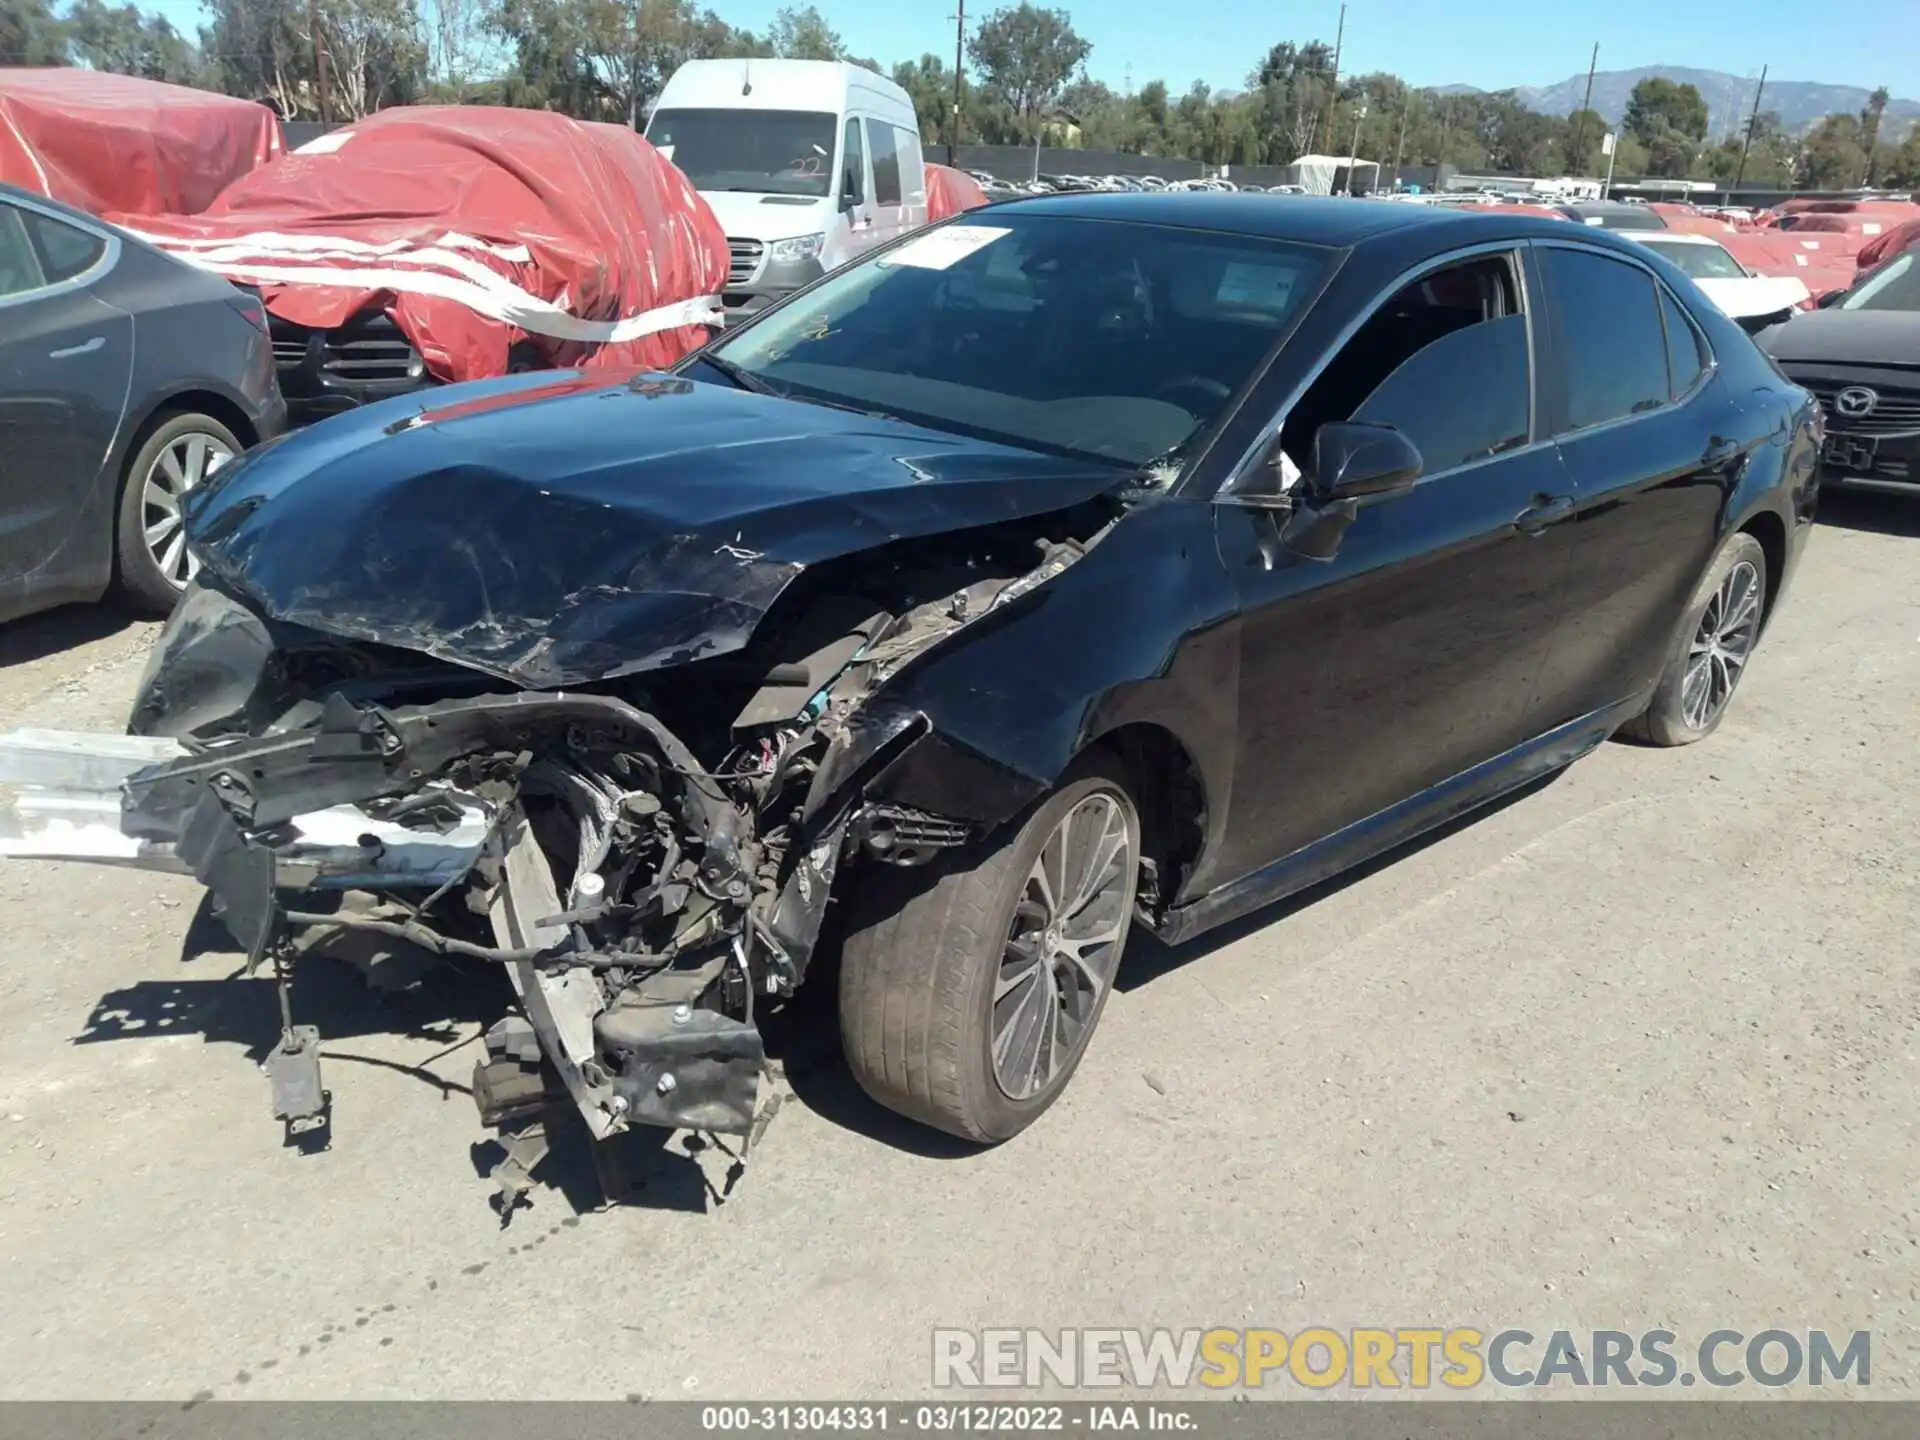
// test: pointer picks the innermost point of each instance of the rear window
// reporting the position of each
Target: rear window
(1616, 347)
(65, 250)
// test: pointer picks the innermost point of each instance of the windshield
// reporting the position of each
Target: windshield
(1089, 337)
(774, 152)
(1701, 262)
(1897, 287)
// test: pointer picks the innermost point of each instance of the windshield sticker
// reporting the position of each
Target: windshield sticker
(941, 248)
(1259, 287)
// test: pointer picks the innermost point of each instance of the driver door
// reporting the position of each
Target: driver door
(1416, 650)
(852, 232)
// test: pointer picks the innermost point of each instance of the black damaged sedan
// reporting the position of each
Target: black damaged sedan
(1092, 563)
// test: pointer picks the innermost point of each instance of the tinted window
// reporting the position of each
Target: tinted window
(19, 266)
(1684, 361)
(853, 168)
(1088, 336)
(1615, 351)
(886, 164)
(65, 250)
(775, 152)
(1894, 286)
(1463, 398)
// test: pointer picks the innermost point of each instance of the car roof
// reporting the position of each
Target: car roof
(1308, 220)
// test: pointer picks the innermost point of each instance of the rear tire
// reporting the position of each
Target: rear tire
(961, 1005)
(151, 564)
(1711, 648)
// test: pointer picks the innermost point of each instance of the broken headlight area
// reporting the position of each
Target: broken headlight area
(650, 869)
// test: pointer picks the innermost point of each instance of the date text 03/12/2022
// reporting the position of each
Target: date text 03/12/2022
(940, 1419)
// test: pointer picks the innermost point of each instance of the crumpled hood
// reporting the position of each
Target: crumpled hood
(1855, 337)
(560, 528)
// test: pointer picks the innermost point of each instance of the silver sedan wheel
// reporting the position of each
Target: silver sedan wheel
(1069, 926)
(187, 460)
(1721, 646)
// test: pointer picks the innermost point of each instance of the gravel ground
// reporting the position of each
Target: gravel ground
(1633, 1050)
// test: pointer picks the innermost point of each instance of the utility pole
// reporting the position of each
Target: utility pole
(319, 66)
(959, 45)
(1333, 93)
(1586, 104)
(1400, 145)
(1353, 151)
(1747, 144)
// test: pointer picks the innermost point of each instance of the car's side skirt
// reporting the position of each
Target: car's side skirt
(1396, 824)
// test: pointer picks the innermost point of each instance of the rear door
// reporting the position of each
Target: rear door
(1652, 449)
(65, 362)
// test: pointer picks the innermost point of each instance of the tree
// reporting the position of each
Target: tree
(1870, 117)
(608, 59)
(929, 84)
(1658, 104)
(263, 50)
(455, 34)
(1024, 57)
(30, 34)
(127, 42)
(1834, 154)
(804, 35)
(1585, 130)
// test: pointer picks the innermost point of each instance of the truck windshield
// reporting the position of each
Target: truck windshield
(773, 152)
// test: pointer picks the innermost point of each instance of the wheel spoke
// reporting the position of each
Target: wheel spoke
(196, 464)
(1694, 691)
(170, 466)
(165, 526)
(1742, 612)
(170, 561)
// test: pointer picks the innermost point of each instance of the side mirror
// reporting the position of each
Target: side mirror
(1352, 460)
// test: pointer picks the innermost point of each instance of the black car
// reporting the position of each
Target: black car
(1098, 562)
(126, 377)
(1860, 356)
(1613, 215)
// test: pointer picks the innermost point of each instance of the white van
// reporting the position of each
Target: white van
(807, 163)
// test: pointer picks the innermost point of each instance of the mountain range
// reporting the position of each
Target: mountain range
(1798, 103)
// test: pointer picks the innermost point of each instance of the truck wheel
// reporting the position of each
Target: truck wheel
(967, 1003)
(1710, 648)
(153, 566)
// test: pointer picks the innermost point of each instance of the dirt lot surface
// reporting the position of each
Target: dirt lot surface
(1636, 1049)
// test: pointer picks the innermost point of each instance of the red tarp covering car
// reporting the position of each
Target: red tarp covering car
(950, 191)
(1887, 244)
(1822, 262)
(1686, 220)
(105, 142)
(475, 228)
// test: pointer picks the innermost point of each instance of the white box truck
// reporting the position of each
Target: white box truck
(807, 163)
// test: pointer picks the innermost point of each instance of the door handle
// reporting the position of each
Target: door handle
(1546, 510)
(84, 349)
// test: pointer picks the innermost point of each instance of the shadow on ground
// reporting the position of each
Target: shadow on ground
(35, 637)
(1871, 511)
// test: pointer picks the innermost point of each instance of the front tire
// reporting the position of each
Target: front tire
(152, 565)
(1710, 649)
(968, 1003)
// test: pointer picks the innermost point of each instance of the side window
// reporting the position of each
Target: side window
(886, 164)
(1444, 361)
(1684, 360)
(65, 250)
(853, 168)
(19, 265)
(1616, 350)
(913, 174)
(1463, 398)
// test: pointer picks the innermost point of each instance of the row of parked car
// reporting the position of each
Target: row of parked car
(998, 189)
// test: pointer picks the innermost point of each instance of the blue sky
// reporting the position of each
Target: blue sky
(1489, 43)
